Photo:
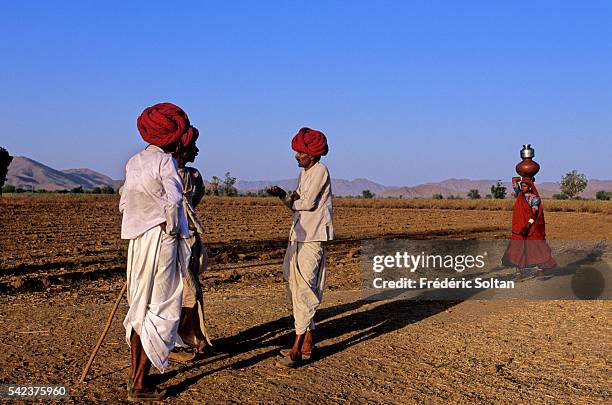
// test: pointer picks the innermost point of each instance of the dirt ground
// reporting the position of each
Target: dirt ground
(62, 264)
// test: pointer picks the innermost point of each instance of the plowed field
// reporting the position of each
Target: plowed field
(62, 263)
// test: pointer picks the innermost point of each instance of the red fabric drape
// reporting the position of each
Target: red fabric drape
(530, 250)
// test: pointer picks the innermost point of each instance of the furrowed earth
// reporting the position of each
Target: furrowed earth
(62, 265)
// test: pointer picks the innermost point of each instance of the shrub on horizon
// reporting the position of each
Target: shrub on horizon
(473, 194)
(5, 161)
(498, 191)
(367, 194)
(603, 195)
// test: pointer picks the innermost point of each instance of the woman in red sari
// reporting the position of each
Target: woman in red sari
(528, 247)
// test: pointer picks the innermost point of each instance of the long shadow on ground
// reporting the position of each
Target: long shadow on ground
(332, 324)
(369, 324)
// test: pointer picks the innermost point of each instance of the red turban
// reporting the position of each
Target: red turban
(188, 138)
(311, 142)
(167, 126)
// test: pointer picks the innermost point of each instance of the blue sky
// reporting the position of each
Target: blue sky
(407, 91)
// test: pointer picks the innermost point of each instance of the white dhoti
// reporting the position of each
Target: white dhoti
(154, 292)
(304, 269)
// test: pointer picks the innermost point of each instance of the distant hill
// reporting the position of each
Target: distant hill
(340, 187)
(26, 173)
(460, 187)
(254, 186)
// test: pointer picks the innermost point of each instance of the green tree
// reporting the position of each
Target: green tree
(367, 194)
(5, 161)
(560, 196)
(228, 185)
(603, 195)
(77, 190)
(473, 194)
(9, 188)
(107, 190)
(573, 183)
(437, 196)
(498, 191)
(214, 185)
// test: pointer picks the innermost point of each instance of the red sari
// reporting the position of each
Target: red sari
(530, 250)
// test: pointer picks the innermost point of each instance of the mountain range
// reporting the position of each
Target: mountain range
(30, 174)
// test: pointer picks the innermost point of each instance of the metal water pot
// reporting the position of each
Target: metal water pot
(528, 167)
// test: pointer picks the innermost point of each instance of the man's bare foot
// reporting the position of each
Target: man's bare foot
(308, 344)
(307, 347)
(295, 354)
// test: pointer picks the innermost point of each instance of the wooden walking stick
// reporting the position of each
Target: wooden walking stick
(102, 335)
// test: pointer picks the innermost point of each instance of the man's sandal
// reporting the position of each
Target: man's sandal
(146, 395)
(287, 352)
(288, 362)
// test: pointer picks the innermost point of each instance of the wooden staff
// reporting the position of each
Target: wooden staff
(103, 334)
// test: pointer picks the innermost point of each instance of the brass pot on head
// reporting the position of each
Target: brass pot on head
(528, 167)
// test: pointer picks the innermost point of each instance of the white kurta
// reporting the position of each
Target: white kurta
(150, 196)
(312, 213)
(304, 265)
(154, 292)
(305, 271)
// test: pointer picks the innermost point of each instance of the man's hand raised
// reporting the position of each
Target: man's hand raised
(277, 192)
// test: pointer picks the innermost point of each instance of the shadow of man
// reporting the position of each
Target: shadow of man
(361, 326)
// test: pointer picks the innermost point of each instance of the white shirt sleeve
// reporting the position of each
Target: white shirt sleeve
(122, 201)
(171, 183)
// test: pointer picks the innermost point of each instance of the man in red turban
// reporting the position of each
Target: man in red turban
(156, 226)
(192, 327)
(304, 264)
(528, 247)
